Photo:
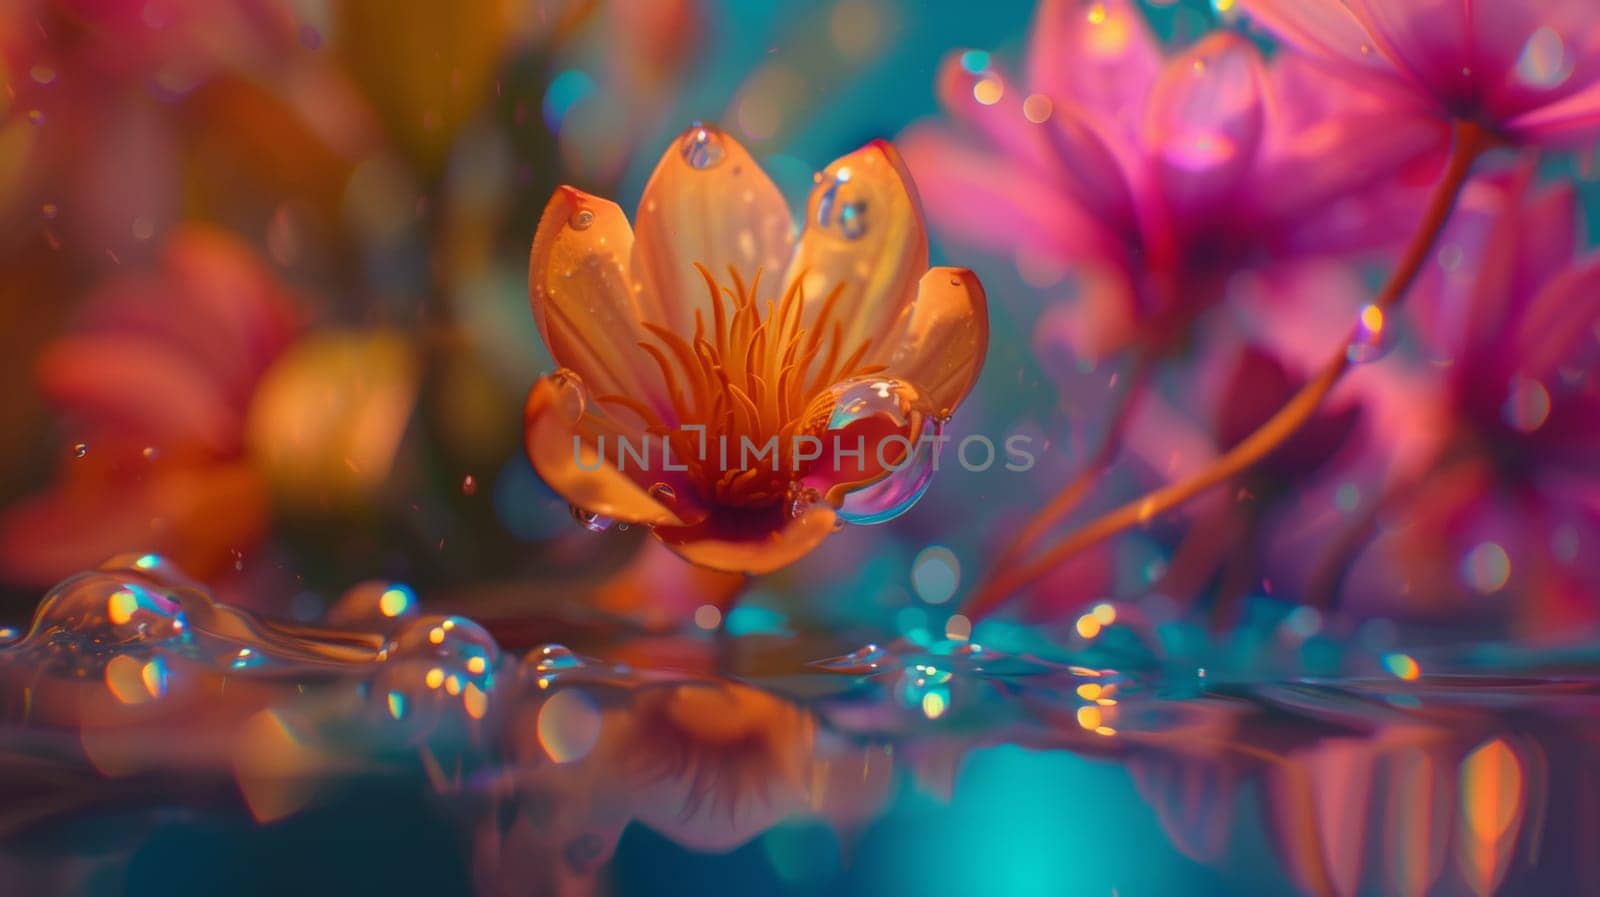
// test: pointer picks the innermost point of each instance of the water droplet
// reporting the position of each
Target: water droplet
(899, 438)
(569, 725)
(925, 687)
(469, 486)
(1486, 567)
(802, 498)
(663, 492)
(1544, 62)
(150, 453)
(571, 396)
(1527, 404)
(988, 90)
(552, 658)
(870, 658)
(1370, 340)
(435, 670)
(1037, 108)
(935, 574)
(35, 116)
(835, 205)
(80, 449)
(591, 521)
(581, 219)
(701, 147)
(376, 605)
(98, 609)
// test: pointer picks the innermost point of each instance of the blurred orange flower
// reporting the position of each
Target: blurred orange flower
(193, 401)
(156, 381)
(675, 337)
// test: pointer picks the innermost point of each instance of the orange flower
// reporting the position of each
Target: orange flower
(738, 390)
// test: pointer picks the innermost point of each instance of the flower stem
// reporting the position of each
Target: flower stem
(1470, 142)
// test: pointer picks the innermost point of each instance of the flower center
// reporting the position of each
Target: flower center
(741, 386)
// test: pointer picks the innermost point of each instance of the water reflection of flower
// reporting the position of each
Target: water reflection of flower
(707, 313)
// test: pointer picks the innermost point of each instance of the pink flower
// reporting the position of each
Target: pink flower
(1513, 503)
(1159, 178)
(1526, 69)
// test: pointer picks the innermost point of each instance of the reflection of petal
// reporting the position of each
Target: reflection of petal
(714, 764)
(756, 541)
(1416, 820)
(556, 438)
(865, 240)
(708, 203)
(1492, 804)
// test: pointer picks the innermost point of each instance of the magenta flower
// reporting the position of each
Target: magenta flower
(1528, 70)
(1156, 178)
(1512, 505)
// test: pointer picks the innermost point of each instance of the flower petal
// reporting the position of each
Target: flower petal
(1427, 39)
(941, 340)
(1099, 54)
(754, 542)
(864, 238)
(1205, 123)
(559, 433)
(583, 299)
(974, 196)
(1571, 123)
(1325, 29)
(1560, 319)
(708, 203)
(144, 388)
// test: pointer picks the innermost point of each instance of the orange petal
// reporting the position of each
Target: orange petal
(583, 299)
(942, 339)
(558, 433)
(758, 543)
(707, 203)
(865, 237)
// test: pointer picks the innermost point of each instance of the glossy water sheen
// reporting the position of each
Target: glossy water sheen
(159, 740)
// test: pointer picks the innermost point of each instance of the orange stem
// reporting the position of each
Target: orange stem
(1470, 142)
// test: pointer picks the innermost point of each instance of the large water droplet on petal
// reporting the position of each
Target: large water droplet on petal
(701, 147)
(880, 432)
